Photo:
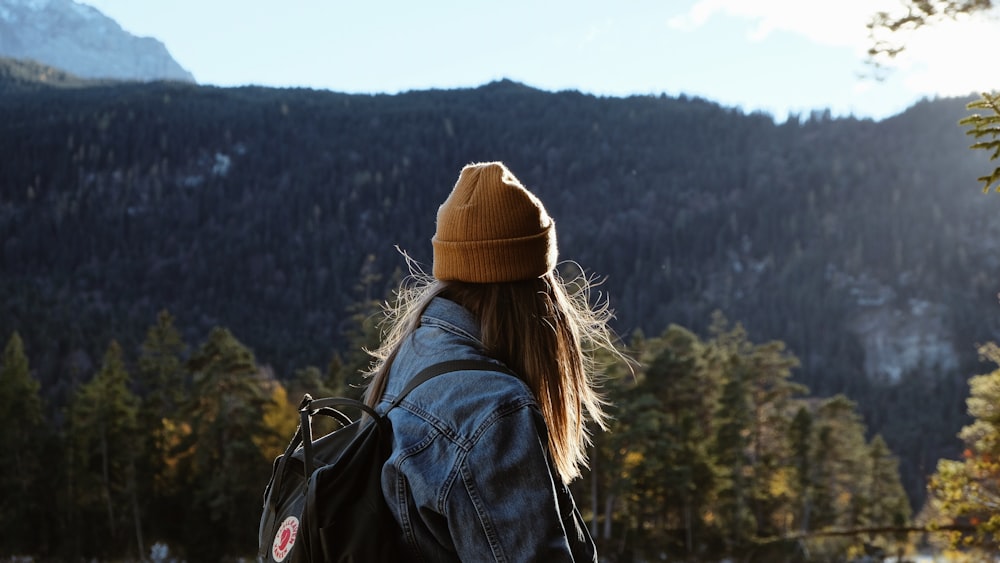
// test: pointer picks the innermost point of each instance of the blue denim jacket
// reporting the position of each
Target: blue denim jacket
(470, 477)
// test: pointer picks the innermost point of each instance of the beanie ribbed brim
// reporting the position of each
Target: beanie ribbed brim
(490, 261)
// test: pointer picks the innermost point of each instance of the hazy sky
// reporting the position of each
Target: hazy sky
(776, 56)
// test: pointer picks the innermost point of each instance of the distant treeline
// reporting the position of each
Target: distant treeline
(274, 212)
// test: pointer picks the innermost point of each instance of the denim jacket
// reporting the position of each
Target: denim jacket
(470, 477)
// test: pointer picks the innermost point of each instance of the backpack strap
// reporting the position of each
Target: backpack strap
(446, 367)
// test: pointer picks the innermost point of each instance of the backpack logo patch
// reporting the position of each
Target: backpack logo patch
(285, 538)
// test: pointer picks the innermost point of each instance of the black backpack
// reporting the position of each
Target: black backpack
(324, 500)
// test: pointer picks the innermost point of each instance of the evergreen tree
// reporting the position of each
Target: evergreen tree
(655, 464)
(888, 505)
(986, 130)
(363, 332)
(840, 458)
(771, 395)
(731, 443)
(24, 479)
(225, 469)
(608, 487)
(644, 445)
(732, 451)
(968, 491)
(332, 379)
(752, 440)
(281, 418)
(161, 378)
(687, 395)
(103, 446)
(310, 380)
(307, 380)
(823, 512)
(801, 440)
(160, 373)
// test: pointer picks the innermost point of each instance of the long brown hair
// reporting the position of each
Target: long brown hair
(544, 329)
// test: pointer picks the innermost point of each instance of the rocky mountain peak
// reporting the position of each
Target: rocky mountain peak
(81, 40)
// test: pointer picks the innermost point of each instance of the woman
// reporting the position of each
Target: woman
(482, 459)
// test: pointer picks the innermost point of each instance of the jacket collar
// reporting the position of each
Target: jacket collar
(451, 316)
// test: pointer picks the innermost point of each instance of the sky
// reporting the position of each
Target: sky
(781, 57)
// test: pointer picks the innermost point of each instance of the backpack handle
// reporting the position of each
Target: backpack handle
(297, 441)
(324, 406)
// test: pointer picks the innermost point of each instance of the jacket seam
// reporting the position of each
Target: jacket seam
(461, 468)
(466, 443)
(465, 450)
(485, 522)
(406, 522)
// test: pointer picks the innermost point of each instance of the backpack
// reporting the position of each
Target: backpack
(324, 499)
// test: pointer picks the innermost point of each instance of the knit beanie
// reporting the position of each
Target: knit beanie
(492, 229)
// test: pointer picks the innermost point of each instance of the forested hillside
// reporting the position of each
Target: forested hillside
(866, 247)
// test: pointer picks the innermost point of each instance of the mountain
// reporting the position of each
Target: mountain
(82, 41)
(866, 246)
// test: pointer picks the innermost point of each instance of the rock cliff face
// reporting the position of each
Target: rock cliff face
(898, 335)
(914, 337)
(83, 41)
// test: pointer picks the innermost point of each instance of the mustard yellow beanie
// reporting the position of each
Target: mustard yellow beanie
(492, 229)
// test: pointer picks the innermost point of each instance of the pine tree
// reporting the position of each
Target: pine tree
(888, 504)
(731, 449)
(160, 372)
(306, 380)
(687, 396)
(103, 446)
(280, 419)
(822, 506)
(363, 332)
(309, 380)
(772, 391)
(752, 439)
(224, 465)
(968, 491)
(22, 437)
(986, 130)
(840, 459)
(161, 377)
(607, 484)
(800, 438)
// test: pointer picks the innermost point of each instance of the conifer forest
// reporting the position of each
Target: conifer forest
(811, 304)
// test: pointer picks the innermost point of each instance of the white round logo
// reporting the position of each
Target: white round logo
(285, 538)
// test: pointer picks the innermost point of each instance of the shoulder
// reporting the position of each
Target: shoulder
(462, 404)
(471, 394)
